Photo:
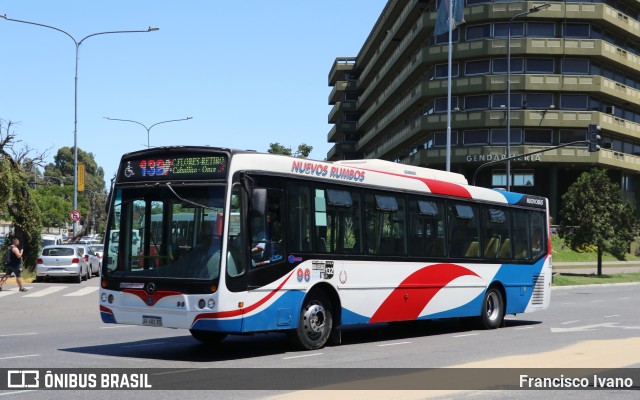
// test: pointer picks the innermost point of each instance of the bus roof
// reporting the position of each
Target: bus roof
(402, 169)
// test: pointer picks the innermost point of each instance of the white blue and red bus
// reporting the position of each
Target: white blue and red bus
(243, 242)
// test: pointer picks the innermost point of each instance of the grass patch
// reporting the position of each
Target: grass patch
(580, 279)
(562, 253)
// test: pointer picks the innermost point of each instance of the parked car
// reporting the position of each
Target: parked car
(98, 249)
(90, 258)
(62, 261)
(48, 239)
(87, 240)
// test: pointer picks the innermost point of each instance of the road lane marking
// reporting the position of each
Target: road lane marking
(611, 316)
(47, 291)
(18, 392)
(303, 356)
(393, 344)
(597, 301)
(523, 328)
(465, 335)
(25, 356)
(117, 326)
(19, 334)
(83, 291)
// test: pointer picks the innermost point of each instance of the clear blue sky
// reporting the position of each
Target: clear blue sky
(249, 72)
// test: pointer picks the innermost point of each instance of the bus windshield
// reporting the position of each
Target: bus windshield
(166, 232)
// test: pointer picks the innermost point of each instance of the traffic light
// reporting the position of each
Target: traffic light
(593, 136)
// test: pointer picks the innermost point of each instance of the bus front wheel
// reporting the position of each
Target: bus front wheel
(315, 322)
(207, 337)
(492, 309)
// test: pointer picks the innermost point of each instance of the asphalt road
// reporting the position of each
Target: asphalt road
(57, 325)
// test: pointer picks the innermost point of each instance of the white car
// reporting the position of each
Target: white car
(98, 249)
(90, 258)
(62, 261)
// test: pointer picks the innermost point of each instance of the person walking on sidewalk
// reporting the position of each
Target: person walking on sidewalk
(14, 265)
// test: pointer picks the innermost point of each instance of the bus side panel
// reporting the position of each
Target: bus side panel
(412, 292)
(521, 289)
(283, 313)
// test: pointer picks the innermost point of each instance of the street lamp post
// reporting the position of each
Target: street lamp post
(522, 14)
(148, 128)
(75, 102)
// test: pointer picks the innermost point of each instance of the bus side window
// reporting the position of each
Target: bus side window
(463, 235)
(299, 208)
(521, 236)
(427, 237)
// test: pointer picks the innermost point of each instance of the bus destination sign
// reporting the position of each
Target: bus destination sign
(187, 167)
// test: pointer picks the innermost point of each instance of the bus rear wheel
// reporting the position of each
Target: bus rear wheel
(492, 309)
(207, 337)
(315, 322)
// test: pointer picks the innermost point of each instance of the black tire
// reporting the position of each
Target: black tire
(88, 273)
(492, 309)
(208, 337)
(315, 322)
(78, 279)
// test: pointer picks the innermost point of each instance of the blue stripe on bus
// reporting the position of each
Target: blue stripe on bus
(108, 318)
(512, 198)
(520, 288)
(282, 314)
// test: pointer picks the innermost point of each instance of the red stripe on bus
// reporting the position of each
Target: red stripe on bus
(435, 186)
(235, 313)
(446, 188)
(407, 301)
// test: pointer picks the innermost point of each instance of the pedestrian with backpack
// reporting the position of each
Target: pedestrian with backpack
(12, 263)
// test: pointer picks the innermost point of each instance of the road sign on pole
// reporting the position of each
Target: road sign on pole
(75, 215)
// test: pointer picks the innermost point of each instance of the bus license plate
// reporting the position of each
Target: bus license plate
(151, 321)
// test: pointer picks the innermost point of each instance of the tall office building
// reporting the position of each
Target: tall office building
(573, 64)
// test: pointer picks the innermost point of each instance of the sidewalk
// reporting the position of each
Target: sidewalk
(591, 267)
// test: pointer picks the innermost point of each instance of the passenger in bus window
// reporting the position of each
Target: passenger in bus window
(263, 242)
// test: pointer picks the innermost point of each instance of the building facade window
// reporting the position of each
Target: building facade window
(572, 135)
(499, 65)
(440, 139)
(538, 136)
(501, 29)
(477, 32)
(499, 136)
(575, 66)
(573, 30)
(541, 29)
(540, 66)
(478, 102)
(536, 101)
(475, 137)
(518, 178)
(574, 101)
(477, 67)
(499, 100)
(442, 70)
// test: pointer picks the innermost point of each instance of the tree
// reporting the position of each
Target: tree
(16, 202)
(595, 214)
(92, 200)
(303, 150)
